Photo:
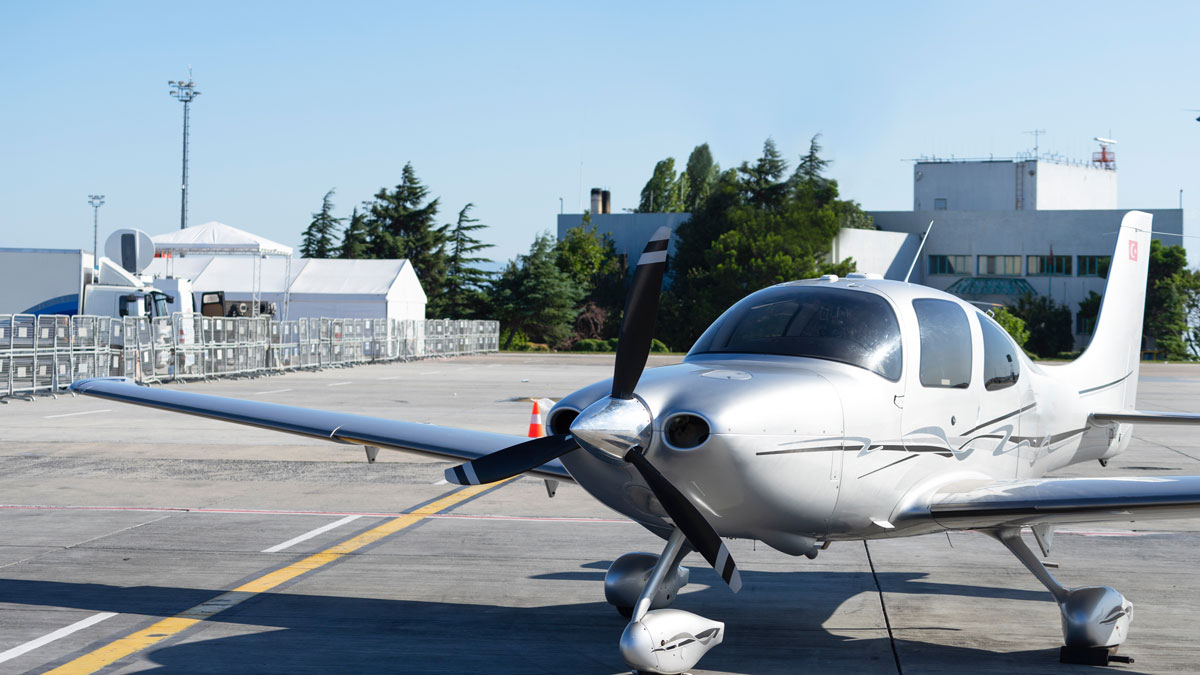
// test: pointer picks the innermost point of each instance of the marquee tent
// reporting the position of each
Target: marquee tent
(332, 288)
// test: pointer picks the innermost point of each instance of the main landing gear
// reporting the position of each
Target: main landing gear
(658, 640)
(1095, 619)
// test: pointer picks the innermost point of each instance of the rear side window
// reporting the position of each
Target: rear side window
(945, 344)
(1000, 366)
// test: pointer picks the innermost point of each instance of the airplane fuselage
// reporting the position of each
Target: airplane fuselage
(801, 450)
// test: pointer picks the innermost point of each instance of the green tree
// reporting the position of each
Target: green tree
(1089, 309)
(1165, 322)
(758, 227)
(1013, 325)
(318, 238)
(355, 238)
(811, 167)
(401, 225)
(1049, 325)
(663, 193)
(464, 297)
(533, 296)
(591, 262)
(702, 173)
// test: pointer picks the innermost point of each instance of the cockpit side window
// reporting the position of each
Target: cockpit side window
(1000, 365)
(836, 324)
(945, 344)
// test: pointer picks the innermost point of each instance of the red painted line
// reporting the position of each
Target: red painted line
(270, 512)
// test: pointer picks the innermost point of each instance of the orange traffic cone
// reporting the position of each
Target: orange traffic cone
(536, 430)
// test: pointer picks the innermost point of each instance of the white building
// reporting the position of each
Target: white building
(1013, 185)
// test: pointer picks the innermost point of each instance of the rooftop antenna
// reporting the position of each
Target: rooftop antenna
(1036, 133)
(184, 92)
(1106, 158)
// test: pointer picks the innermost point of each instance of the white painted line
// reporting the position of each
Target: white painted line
(338, 384)
(442, 482)
(310, 534)
(86, 412)
(271, 391)
(392, 377)
(431, 372)
(51, 637)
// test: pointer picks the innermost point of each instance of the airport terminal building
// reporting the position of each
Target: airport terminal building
(1002, 228)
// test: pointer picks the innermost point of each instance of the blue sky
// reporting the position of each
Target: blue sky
(514, 105)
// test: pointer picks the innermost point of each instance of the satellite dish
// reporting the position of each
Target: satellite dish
(132, 249)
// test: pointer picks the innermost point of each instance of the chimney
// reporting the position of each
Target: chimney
(596, 201)
(605, 201)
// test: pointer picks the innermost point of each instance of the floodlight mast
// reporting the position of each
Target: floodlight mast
(96, 201)
(184, 92)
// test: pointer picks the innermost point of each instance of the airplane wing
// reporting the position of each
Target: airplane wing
(984, 504)
(427, 439)
(1145, 417)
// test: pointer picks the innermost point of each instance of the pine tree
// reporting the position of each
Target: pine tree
(533, 296)
(318, 238)
(400, 226)
(354, 239)
(464, 297)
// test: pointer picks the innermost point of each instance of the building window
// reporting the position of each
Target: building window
(1044, 265)
(949, 264)
(939, 203)
(1094, 265)
(1000, 265)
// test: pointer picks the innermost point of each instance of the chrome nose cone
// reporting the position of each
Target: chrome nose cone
(613, 426)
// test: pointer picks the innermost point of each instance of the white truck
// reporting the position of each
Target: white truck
(62, 281)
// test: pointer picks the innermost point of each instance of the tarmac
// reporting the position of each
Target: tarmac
(139, 540)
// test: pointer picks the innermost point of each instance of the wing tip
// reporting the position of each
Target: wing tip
(82, 386)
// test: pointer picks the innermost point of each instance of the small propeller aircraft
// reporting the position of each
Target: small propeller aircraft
(812, 412)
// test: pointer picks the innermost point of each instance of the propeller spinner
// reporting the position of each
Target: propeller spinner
(619, 425)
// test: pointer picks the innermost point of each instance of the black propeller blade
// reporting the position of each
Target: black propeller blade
(641, 307)
(513, 460)
(687, 518)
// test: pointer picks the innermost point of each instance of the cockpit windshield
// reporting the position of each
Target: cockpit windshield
(854, 327)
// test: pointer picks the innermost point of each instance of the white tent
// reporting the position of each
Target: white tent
(216, 238)
(316, 287)
(213, 238)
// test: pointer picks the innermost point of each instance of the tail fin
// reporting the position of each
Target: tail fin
(1107, 372)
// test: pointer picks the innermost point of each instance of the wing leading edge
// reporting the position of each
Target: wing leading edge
(426, 439)
(977, 505)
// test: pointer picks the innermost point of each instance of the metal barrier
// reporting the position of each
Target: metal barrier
(45, 354)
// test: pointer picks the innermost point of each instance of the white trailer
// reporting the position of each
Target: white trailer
(62, 281)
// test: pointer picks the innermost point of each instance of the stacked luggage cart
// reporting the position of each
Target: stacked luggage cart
(43, 355)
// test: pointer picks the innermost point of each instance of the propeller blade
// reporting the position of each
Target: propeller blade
(641, 306)
(688, 519)
(511, 461)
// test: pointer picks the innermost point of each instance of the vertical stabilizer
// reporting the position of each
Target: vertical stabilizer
(1107, 372)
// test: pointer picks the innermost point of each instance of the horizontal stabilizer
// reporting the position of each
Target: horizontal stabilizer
(426, 439)
(1146, 417)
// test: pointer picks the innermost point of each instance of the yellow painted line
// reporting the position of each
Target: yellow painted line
(161, 630)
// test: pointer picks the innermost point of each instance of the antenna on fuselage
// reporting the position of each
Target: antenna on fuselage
(918, 255)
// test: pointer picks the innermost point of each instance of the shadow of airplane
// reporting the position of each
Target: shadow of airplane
(776, 625)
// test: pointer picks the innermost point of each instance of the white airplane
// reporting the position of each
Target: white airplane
(812, 412)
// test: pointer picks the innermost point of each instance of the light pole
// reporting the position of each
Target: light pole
(96, 201)
(185, 92)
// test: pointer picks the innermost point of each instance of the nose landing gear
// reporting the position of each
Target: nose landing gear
(663, 641)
